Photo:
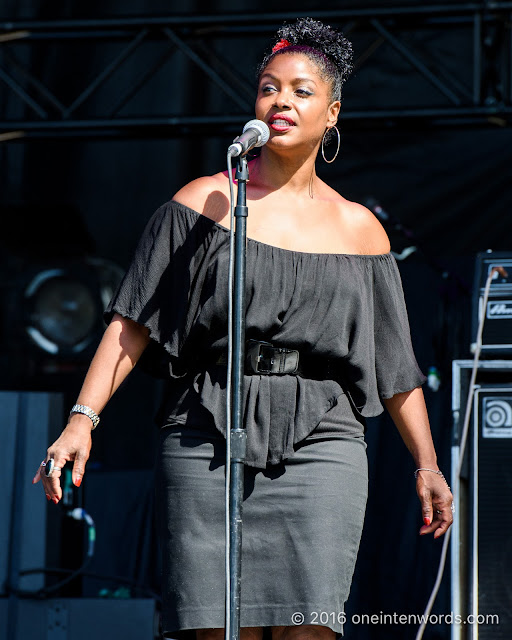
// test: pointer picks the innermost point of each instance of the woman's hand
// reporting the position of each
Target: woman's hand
(409, 413)
(121, 346)
(73, 445)
(436, 503)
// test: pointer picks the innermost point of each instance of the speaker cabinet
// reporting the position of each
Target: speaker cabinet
(28, 421)
(481, 553)
(497, 332)
(30, 538)
(81, 619)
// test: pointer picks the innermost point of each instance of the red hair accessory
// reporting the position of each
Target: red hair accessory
(281, 45)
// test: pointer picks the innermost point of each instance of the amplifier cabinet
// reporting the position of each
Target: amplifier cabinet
(497, 333)
(28, 422)
(481, 554)
(82, 619)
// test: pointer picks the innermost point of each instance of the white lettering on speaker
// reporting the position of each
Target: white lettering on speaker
(499, 309)
(497, 417)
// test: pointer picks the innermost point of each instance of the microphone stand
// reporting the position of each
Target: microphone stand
(238, 433)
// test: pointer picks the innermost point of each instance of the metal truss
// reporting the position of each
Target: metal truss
(202, 46)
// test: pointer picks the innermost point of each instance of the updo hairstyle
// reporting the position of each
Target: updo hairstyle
(327, 48)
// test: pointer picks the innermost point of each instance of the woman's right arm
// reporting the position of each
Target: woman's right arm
(118, 352)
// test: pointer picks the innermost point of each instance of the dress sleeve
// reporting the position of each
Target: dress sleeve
(157, 290)
(396, 368)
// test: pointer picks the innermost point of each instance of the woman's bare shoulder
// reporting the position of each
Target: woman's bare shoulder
(362, 222)
(208, 195)
(373, 235)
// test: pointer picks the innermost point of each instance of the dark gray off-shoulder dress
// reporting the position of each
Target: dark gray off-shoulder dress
(306, 468)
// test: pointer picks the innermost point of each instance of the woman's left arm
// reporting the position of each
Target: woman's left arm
(409, 414)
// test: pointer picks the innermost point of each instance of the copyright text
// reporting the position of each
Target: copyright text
(340, 617)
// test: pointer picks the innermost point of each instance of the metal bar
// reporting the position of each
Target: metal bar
(416, 62)
(16, 529)
(236, 526)
(453, 80)
(219, 126)
(501, 68)
(85, 34)
(428, 112)
(108, 71)
(43, 90)
(13, 36)
(368, 52)
(510, 58)
(211, 73)
(235, 30)
(124, 123)
(477, 58)
(18, 90)
(240, 118)
(227, 71)
(11, 135)
(238, 433)
(177, 133)
(141, 82)
(247, 18)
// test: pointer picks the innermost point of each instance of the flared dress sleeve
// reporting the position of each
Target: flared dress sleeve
(347, 308)
(396, 368)
(381, 362)
(165, 287)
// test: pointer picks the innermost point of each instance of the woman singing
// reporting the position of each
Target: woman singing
(321, 283)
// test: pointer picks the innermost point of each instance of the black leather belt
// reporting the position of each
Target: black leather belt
(264, 358)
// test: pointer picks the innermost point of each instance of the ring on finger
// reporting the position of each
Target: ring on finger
(50, 468)
(438, 512)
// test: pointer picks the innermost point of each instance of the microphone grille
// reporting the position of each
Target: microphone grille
(262, 128)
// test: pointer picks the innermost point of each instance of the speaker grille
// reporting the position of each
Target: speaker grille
(494, 510)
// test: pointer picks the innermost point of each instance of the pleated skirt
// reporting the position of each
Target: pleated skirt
(302, 524)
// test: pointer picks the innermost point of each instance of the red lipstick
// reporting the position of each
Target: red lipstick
(279, 122)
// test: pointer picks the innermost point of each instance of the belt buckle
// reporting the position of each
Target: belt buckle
(261, 358)
(254, 356)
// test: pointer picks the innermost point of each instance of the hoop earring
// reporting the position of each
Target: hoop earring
(337, 150)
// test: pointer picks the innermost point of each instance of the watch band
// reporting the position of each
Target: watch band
(87, 411)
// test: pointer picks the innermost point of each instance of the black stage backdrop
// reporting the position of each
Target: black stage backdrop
(449, 187)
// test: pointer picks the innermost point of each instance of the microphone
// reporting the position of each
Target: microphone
(375, 208)
(255, 134)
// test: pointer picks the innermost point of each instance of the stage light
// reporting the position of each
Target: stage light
(63, 312)
(63, 305)
(53, 290)
(51, 319)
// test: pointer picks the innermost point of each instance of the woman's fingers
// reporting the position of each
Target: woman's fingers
(73, 445)
(436, 501)
(79, 467)
(426, 510)
(37, 477)
(426, 507)
(51, 484)
(440, 523)
(444, 519)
